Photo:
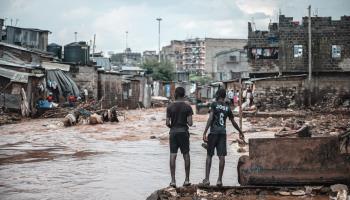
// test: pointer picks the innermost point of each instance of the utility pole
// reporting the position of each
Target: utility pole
(159, 19)
(126, 40)
(75, 36)
(240, 104)
(93, 46)
(310, 55)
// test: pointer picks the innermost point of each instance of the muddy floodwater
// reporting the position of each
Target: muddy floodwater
(40, 159)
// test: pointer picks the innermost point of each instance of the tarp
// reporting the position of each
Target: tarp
(11, 101)
(65, 84)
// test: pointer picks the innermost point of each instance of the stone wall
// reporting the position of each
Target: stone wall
(86, 78)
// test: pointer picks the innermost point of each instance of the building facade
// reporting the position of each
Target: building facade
(126, 58)
(194, 55)
(231, 64)
(174, 54)
(216, 45)
(149, 56)
(284, 47)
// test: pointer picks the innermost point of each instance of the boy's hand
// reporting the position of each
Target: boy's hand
(205, 137)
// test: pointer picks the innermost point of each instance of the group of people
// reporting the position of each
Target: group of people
(179, 118)
(247, 96)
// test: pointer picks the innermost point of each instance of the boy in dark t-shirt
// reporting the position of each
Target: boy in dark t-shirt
(219, 111)
(178, 118)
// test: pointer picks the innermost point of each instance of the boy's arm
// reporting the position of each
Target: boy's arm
(189, 116)
(209, 122)
(189, 120)
(241, 135)
(167, 121)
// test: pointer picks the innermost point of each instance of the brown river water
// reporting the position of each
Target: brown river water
(40, 159)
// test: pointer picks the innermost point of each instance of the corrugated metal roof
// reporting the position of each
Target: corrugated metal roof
(13, 64)
(127, 68)
(50, 65)
(277, 77)
(15, 76)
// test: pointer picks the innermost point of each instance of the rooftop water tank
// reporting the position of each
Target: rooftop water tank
(55, 49)
(77, 52)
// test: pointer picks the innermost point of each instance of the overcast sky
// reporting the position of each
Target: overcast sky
(182, 19)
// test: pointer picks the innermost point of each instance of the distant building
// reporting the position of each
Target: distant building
(27, 37)
(231, 64)
(126, 58)
(1, 25)
(149, 56)
(174, 54)
(194, 55)
(216, 45)
(197, 55)
(103, 63)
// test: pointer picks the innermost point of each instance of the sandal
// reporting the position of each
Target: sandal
(204, 183)
(172, 185)
(186, 184)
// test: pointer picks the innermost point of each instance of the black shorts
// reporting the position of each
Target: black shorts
(179, 140)
(217, 141)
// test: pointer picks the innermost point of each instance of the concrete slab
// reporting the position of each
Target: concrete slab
(294, 161)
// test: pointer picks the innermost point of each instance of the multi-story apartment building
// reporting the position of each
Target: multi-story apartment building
(174, 54)
(194, 55)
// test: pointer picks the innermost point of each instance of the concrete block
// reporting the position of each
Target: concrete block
(294, 161)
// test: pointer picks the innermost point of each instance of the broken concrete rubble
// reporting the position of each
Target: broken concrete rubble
(239, 192)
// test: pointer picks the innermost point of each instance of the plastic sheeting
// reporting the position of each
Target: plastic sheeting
(65, 84)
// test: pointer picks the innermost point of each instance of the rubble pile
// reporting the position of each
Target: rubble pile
(267, 192)
(328, 124)
(9, 118)
(317, 124)
(275, 99)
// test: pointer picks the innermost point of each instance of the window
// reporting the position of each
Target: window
(336, 51)
(233, 58)
(264, 53)
(298, 51)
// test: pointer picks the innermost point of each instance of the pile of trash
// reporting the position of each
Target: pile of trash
(83, 116)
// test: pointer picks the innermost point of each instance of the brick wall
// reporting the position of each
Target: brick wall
(325, 33)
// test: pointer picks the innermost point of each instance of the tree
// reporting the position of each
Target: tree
(160, 71)
(203, 79)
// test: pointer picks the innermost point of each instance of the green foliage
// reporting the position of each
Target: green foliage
(160, 71)
(203, 79)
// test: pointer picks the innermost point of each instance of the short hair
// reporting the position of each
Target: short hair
(221, 93)
(179, 92)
